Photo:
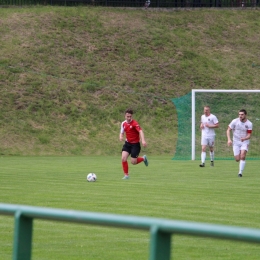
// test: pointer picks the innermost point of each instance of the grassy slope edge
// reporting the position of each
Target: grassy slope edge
(67, 74)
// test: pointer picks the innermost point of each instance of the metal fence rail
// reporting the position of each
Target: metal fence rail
(140, 3)
(161, 230)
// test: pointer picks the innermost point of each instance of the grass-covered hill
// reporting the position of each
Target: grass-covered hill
(68, 74)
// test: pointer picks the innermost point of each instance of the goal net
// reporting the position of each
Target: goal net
(225, 104)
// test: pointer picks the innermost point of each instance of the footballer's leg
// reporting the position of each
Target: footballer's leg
(242, 162)
(203, 151)
(135, 158)
(126, 150)
(211, 149)
(236, 150)
(203, 155)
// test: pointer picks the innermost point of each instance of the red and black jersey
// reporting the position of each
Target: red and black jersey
(131, 130)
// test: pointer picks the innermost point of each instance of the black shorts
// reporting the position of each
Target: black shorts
(133, 149)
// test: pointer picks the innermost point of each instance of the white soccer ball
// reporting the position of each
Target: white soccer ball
(91, 177)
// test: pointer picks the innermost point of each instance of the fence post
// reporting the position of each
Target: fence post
(22, 237)
(160, 247)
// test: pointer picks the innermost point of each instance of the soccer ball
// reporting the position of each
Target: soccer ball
(91, 177)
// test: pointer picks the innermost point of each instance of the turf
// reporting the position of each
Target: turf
(179, 190)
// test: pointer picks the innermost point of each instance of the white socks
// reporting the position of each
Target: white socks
(241, 166)
(211, 156)
(203, 157)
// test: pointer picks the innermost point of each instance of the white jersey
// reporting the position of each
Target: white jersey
(240, 129)
(211, 120)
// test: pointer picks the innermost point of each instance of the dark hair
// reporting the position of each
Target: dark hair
(129, 111)
(243, 111)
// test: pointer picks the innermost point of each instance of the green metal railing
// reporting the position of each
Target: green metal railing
(161, 230)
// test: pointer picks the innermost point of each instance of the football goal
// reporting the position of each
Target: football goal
(225, 104)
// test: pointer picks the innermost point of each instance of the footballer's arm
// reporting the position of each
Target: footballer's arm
(212, 126)
(121, 136)
(229, 142)
(141, 133)
(246, 138)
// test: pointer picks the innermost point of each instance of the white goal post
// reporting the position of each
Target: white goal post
(193, 108)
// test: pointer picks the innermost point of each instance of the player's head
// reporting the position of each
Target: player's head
(207, 110)
(128, 115)
(129, 111)
(243, 111)
(242, 114)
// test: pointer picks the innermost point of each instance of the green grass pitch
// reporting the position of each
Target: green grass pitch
(178, 190)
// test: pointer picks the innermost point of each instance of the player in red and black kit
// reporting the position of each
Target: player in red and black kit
(132, 143)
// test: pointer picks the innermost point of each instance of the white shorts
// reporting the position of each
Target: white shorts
(208, 141)
(239, 146)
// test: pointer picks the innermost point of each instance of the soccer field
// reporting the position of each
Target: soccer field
(177, 190)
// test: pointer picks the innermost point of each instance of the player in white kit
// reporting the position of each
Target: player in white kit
(242, 130)
(208, 123)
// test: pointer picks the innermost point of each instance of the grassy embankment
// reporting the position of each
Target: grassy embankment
(67, 74)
